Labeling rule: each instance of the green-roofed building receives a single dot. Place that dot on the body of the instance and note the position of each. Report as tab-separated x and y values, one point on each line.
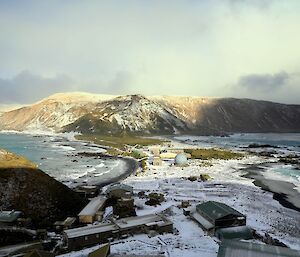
219	215
239	232
233	248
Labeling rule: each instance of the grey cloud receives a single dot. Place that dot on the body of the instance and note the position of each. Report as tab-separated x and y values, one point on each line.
280	87
121	81
27	87
117	83
93	40
264	82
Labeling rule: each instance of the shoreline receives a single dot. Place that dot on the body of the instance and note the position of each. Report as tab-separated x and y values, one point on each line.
124	166
130	162
132	166
282	191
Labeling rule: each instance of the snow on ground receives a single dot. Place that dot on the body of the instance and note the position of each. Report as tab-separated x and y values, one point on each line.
264	214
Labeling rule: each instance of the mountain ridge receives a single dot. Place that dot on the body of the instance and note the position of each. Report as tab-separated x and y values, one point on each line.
138	114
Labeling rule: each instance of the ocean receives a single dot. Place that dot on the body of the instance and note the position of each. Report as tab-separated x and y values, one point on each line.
290	141
58	157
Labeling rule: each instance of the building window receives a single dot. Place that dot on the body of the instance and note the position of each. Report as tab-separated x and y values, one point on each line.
97	236
86	238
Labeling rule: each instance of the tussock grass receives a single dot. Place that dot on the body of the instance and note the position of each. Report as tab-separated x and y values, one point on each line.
11	160
135	154
119	142
212	153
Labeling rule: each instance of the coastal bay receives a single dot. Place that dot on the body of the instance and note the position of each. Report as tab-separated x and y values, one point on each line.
59	155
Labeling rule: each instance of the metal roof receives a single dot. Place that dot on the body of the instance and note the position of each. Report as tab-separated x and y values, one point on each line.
239	232
119	186
216	210
116	225
9	216
150	219
134	255
202	221
90	230
103	251
93	206
232	248
69	221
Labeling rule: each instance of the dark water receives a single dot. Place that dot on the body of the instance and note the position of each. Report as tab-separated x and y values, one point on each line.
284	140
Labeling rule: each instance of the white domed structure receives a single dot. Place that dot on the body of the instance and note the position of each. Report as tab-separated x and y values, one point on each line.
181	159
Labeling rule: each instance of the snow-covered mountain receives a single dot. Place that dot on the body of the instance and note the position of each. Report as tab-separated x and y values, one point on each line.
234	115
51	113
132	113
9	107
89	113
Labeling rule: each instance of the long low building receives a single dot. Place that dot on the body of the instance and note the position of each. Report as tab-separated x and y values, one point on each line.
140	224
90	235
90	211
78	238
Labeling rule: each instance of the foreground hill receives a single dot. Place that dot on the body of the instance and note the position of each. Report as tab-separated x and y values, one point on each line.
137	114
10	160
36	194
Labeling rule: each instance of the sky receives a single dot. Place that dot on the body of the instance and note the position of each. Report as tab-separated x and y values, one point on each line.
214	48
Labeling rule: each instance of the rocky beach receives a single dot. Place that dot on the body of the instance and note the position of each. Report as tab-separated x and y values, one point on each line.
284	192
70	161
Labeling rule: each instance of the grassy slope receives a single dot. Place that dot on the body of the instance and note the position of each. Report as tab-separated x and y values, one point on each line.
119	141
208	154
118	144
10	160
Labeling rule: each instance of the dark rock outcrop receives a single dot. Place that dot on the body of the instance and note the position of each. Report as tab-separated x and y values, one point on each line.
37	195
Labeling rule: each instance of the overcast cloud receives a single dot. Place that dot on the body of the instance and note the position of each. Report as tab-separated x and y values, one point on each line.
264	82
202	48
280	87
27	87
